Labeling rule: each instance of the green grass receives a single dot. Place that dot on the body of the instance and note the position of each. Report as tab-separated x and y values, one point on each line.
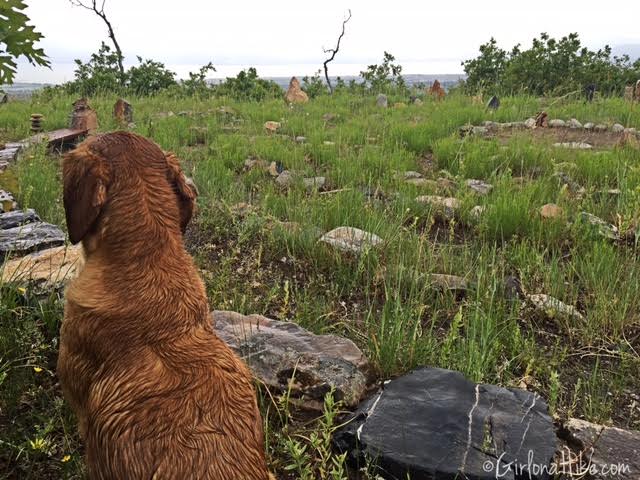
257	263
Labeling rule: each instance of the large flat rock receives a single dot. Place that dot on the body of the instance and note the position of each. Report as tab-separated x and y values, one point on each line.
29	238
603	452
435	424
277	351
48	269
17	218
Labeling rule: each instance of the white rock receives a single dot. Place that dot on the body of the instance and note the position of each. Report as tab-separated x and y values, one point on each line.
574	145
349	239
617	128
557	123
552	307
574	123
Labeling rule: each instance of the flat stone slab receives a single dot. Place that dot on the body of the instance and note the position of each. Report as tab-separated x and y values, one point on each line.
29	238
606	452
278	351
17	218
350	239
49	269
435	424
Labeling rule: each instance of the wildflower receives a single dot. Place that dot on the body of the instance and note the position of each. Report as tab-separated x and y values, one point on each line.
66	458
37	369
22	290
38	444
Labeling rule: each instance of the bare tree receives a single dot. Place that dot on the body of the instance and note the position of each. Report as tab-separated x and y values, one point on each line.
93	6
333	52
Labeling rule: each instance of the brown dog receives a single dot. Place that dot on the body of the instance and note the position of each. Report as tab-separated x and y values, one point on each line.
157	394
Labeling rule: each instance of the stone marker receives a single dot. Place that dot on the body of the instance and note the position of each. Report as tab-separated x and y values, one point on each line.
83	116
436	90
295	94
276	351
382	101
123	112
435	424
494	103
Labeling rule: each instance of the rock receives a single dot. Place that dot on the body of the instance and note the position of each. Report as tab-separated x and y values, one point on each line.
301	139
631	130
7	202
494	103
574	123
329	143
18	217
479	187
9	153
542	119
330	117
436	90
241	209
314	183
275	351
603	228
446	206
30	237
557	123
452	283
275	169
411	174
636	92
417	102
399	105
83	116
435	424
123	112
349	239
600	128
552	307
251	163
48	269
447	184
295	94
617	128
551	211
513	288
285	179
272	126
382	101
477	211
600	445
518	125
480	131
574	145
198	135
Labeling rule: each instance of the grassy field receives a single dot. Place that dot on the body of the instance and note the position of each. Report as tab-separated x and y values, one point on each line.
256	244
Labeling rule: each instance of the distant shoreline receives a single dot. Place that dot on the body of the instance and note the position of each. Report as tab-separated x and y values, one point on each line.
447	80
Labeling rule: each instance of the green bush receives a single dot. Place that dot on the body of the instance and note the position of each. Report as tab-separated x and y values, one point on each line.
550	66
248	86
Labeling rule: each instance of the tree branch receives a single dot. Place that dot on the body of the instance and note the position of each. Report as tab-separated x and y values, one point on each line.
100	13
333	52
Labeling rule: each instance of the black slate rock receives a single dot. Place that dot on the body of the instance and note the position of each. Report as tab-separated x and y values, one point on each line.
29	238
17	218
434	424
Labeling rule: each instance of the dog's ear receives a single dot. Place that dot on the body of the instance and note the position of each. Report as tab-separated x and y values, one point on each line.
85	177
184	188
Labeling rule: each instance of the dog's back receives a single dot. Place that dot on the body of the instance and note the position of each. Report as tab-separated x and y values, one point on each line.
156	392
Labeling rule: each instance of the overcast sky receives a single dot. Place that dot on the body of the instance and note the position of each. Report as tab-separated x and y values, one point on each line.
286	38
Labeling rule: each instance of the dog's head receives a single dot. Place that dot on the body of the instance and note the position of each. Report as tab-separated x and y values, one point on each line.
127	178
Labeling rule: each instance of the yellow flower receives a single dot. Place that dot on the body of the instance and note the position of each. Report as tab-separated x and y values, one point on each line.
22	290
38	444
37	369
66	458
